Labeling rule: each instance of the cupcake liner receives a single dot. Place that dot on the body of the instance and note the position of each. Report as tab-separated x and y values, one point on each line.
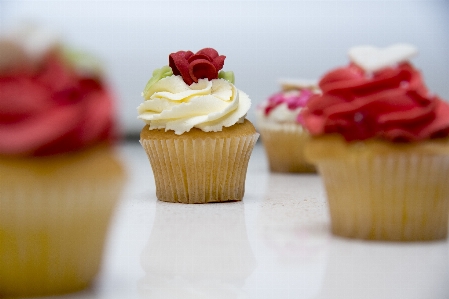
398	197
284	145
53	224
200	170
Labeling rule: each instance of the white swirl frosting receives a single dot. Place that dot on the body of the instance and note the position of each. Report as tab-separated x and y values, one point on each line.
171	104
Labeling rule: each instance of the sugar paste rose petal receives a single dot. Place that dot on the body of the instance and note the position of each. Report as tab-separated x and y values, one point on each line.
218	62
210	52
202	68
179	64
199	56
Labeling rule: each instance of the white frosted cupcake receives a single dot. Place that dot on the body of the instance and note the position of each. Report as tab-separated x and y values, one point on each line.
196	136
282	135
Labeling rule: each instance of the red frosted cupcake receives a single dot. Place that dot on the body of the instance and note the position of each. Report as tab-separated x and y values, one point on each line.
62	178
381	142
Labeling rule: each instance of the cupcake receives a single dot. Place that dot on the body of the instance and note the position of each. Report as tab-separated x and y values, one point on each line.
60	178
196	136
282	135
380	140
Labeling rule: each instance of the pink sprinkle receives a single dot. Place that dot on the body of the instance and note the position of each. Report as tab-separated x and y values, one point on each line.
300	119
293	102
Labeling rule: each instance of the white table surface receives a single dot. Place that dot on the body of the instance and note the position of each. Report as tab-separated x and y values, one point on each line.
274	244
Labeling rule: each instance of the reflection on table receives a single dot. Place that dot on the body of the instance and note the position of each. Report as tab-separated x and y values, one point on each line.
293	230
386	270
197	251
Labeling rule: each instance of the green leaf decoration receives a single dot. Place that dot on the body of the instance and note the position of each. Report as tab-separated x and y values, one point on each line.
158	74
228	76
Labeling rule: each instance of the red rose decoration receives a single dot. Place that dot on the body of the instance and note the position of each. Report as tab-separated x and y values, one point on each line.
392	104
203	64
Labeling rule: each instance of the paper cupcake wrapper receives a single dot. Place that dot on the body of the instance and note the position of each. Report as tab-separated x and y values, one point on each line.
399	197
284	146
52	231
200	170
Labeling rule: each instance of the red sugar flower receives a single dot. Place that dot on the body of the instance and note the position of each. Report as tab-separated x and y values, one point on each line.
203	64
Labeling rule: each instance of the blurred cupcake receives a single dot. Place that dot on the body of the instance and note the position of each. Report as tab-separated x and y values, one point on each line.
197	138
380	140
61	178
186	259
282	135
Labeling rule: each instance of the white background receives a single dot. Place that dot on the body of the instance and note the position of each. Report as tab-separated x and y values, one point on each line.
263	40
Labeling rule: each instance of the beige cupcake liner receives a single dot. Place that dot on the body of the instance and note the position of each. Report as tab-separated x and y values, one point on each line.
284	146
200	170
397	196
53	225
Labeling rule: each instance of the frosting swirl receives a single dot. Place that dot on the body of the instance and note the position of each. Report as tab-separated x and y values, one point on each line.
209	105
51	109
392	103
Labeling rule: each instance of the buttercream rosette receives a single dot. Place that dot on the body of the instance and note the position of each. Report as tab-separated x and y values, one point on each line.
196	136
62	179
380	140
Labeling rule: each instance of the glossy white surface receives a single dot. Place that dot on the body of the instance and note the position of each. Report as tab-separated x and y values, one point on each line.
274	244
